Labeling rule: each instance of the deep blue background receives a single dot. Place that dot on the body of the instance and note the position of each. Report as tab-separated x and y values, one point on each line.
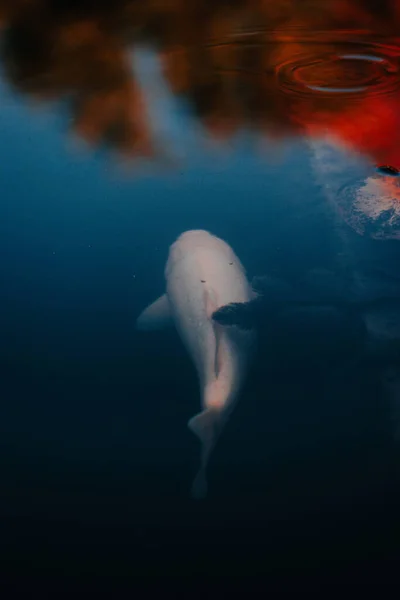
97	461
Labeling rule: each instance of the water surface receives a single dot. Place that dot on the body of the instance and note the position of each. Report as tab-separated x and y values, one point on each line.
123	125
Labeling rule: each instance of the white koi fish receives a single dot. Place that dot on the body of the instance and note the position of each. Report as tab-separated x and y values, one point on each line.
202	274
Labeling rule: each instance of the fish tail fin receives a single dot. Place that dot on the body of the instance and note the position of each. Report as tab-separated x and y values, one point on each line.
205	426
200	485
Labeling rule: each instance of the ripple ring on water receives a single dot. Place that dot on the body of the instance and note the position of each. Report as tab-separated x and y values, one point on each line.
346	73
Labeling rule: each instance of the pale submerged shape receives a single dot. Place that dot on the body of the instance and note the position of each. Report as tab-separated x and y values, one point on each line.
378	199
367	201
202	274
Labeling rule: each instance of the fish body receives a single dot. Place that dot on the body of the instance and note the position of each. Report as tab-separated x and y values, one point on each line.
202	274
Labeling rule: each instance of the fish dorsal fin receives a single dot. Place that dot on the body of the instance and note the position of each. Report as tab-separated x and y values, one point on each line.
211	307
156	316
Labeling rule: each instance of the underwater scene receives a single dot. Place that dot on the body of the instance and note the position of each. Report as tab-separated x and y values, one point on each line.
200	291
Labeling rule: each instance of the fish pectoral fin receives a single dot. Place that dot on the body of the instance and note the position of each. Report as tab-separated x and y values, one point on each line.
156	316
240	314
205	426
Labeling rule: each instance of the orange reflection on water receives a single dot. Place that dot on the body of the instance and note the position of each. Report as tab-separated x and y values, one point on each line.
265	66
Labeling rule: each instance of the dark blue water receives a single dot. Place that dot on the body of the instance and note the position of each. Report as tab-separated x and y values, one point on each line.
97	461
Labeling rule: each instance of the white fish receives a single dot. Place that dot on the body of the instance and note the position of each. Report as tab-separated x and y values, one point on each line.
202	274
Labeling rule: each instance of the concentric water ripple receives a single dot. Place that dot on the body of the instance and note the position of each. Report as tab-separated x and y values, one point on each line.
329	65
356	69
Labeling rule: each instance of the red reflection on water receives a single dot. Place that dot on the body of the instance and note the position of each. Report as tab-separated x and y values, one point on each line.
280	68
